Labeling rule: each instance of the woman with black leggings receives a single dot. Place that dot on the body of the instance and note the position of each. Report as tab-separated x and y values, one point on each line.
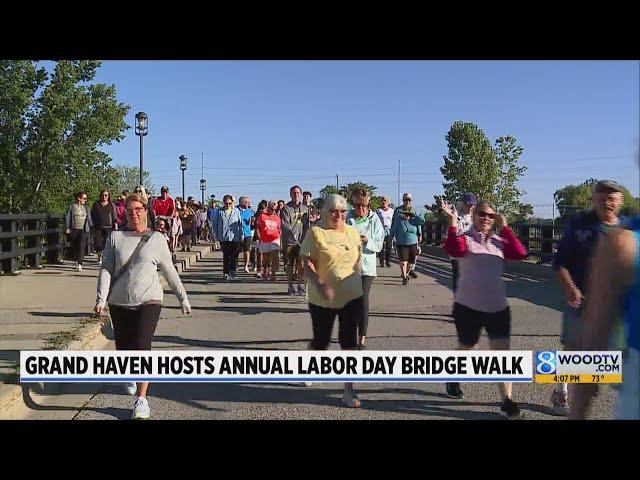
132	287
331	256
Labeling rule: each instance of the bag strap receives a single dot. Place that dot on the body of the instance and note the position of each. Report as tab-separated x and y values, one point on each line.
145	238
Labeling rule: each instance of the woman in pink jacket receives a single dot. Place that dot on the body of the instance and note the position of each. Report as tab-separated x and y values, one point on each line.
481	299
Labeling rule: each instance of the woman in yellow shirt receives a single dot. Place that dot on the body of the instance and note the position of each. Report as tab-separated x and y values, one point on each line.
331	256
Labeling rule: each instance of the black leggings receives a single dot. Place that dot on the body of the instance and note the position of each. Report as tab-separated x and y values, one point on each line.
78	240
363	322
322	323
385	253
230	252
100	236
134	329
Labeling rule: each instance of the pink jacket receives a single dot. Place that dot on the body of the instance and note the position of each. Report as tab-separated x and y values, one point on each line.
480	285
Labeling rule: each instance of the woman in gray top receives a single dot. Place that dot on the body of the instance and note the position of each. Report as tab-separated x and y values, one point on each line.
78	222
134	293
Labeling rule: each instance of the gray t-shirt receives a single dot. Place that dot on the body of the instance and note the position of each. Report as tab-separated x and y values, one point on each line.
78	216
140	283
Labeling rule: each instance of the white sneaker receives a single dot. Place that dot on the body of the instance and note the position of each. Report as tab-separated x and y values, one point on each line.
130	387
141	410
560	403
78	268
307	384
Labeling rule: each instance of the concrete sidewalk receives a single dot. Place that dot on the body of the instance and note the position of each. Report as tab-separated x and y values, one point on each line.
254	314
52	308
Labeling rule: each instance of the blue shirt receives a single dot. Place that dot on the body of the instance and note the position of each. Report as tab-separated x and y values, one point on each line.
406	232
211	214
632	302
577	243
246	215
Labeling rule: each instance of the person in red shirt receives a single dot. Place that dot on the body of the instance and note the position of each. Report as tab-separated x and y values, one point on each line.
269	228
163	205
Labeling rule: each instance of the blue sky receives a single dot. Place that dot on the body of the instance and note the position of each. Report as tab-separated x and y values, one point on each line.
266	125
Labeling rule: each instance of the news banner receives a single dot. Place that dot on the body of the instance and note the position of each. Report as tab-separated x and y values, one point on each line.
321	366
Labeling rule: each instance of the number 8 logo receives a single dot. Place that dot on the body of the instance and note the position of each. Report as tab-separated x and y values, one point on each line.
546	362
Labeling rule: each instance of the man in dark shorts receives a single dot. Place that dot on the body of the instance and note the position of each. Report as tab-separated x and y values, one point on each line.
246	213
294	226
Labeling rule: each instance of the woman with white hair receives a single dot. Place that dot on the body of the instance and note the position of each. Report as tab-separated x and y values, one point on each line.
331	256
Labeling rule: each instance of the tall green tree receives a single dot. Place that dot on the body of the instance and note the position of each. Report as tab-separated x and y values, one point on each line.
473	165
129	177
52	126
346	191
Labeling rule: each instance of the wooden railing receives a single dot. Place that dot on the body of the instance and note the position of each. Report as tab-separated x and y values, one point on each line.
538	239
27	240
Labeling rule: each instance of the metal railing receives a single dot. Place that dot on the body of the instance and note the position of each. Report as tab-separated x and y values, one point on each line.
539	239
28	239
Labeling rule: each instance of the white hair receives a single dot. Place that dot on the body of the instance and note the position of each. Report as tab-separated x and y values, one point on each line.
333	202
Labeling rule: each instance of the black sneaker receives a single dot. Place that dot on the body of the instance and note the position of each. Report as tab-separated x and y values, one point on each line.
388	264
454	390
510	409
413	274
405	280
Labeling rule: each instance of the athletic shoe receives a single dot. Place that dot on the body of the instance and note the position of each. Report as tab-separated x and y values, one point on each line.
226	276
141	410
259	275
307	384
454	390
510	409
291	290
130	387
350	399
78	268
301	290
405	280
413	274
560	403
246	269
388	264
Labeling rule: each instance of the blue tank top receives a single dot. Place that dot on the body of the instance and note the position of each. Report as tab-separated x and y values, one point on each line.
632	302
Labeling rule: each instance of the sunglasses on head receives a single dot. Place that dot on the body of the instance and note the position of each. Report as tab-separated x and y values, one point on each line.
482	214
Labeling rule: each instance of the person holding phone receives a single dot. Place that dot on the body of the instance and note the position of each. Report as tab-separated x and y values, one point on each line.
481	298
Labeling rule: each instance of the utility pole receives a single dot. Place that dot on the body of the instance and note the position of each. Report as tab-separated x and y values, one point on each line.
398	183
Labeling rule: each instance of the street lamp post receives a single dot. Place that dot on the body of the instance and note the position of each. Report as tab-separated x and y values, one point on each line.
183	167
203	187
142	128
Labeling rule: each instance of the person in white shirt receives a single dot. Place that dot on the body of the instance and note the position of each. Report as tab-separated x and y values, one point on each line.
385	213
465	222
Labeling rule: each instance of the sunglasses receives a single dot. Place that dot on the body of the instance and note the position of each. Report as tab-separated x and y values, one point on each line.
483	214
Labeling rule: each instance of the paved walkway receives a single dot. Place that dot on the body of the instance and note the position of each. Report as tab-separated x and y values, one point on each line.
253	314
